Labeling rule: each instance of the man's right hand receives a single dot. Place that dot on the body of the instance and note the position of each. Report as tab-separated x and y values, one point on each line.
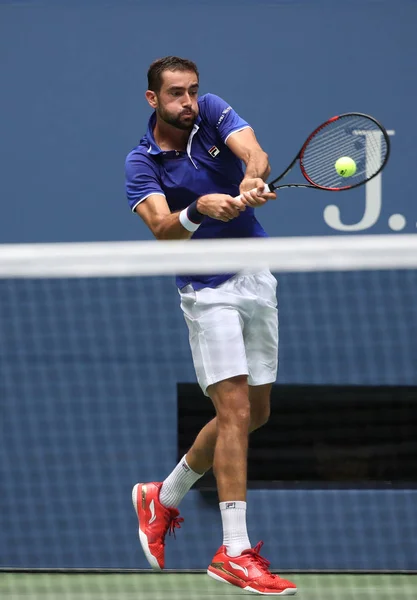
220	206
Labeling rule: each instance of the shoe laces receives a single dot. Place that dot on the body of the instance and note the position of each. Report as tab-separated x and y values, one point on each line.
173	521
255	554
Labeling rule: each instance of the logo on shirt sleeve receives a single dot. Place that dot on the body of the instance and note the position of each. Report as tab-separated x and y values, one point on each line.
214	151
222	116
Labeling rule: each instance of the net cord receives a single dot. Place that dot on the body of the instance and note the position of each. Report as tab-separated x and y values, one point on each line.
146	258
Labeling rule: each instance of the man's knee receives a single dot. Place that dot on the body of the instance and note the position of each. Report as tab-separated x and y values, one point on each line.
231	401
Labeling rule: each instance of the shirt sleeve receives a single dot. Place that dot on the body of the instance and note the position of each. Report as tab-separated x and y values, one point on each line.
220	114
141	179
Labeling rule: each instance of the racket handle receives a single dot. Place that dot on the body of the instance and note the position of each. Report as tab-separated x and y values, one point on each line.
267	190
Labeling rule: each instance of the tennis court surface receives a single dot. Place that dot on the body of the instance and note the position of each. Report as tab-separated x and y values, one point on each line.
47	586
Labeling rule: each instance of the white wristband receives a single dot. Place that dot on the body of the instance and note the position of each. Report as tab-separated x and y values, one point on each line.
186	223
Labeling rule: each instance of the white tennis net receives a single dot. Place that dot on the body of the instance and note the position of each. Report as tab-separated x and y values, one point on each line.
93	347
300	254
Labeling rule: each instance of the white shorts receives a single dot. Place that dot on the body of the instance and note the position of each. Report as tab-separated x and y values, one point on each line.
233	329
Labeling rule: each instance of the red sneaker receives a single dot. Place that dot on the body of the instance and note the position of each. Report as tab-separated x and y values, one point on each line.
250	572
155	520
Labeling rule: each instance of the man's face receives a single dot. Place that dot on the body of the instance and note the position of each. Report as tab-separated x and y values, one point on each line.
176	102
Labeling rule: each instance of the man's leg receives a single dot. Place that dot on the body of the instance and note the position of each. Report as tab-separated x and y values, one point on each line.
236	562
200	457
201	454
231	401
223	441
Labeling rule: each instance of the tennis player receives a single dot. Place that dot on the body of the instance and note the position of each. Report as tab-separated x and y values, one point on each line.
182	180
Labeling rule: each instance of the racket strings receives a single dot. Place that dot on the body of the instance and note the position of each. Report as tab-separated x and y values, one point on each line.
356	137
333	146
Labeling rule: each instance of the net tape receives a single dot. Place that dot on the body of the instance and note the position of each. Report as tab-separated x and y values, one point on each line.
288	254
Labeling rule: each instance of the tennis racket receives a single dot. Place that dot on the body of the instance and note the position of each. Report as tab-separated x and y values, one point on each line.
354	136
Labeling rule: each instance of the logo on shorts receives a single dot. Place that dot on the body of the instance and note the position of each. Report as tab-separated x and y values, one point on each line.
214	151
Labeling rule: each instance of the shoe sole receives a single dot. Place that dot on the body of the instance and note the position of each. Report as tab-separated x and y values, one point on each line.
142	537
287	592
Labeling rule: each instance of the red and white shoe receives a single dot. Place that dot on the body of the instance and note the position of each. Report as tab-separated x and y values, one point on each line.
155	520
250	572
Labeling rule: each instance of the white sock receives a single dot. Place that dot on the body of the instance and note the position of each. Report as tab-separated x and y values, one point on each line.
235	534
177	484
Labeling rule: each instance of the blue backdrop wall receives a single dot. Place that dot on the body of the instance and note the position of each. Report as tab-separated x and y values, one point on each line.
72	91
80	391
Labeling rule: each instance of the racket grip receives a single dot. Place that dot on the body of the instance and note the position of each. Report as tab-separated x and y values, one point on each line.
266	190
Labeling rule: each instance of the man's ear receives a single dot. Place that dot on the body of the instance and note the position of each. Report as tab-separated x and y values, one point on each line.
152	98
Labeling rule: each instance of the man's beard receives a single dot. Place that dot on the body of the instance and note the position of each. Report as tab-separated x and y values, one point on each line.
178	121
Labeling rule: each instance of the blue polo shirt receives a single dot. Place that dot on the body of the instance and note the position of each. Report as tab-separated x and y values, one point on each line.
208	166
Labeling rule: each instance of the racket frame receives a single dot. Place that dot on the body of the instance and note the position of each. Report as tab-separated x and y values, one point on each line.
311	184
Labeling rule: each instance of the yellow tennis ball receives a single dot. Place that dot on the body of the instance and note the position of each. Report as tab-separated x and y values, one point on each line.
345	166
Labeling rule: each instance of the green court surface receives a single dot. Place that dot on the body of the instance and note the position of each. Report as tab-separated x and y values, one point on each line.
58	586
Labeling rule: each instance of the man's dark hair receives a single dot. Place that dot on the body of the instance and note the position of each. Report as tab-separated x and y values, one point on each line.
168	63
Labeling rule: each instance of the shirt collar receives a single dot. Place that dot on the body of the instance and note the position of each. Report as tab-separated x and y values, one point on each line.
153	146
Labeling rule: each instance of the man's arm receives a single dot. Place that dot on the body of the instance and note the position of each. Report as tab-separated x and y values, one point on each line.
246	147
157	216
155	212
